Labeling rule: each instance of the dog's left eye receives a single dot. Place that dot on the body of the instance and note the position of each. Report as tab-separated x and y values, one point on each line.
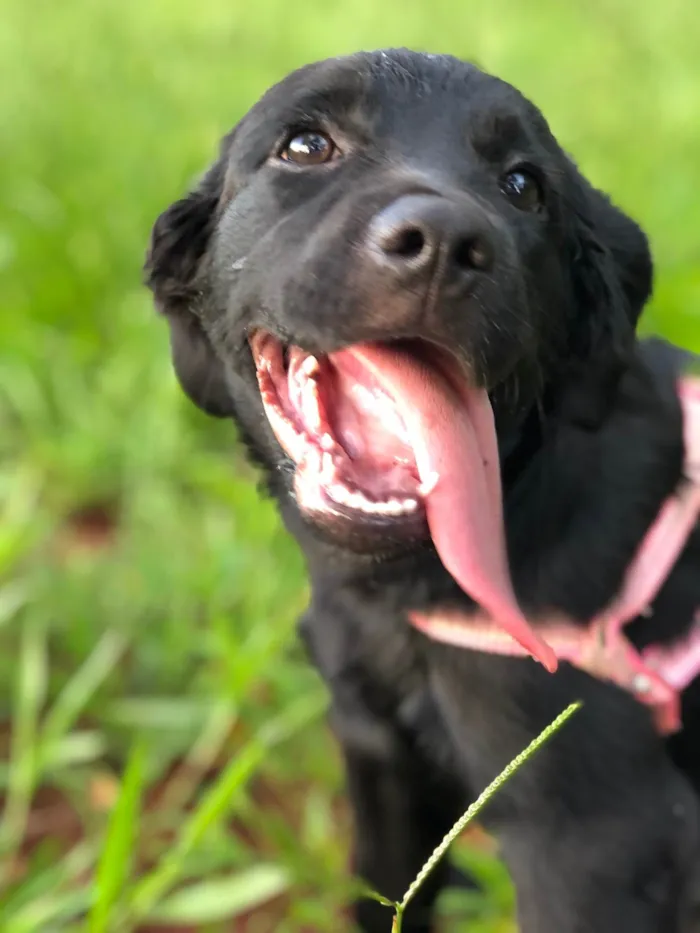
308	148
522	189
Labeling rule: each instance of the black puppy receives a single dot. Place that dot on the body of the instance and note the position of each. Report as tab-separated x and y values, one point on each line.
395	282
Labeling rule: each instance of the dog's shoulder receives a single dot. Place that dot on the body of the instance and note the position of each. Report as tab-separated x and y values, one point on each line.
667	361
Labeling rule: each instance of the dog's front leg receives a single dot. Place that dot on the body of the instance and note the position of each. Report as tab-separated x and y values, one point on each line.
599	830
628	869
401	812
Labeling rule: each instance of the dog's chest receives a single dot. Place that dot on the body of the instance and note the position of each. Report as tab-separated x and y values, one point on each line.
378	676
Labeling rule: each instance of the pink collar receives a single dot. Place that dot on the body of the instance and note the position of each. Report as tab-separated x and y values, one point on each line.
658	674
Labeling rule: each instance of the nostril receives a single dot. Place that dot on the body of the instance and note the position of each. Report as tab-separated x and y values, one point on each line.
406	242
471	253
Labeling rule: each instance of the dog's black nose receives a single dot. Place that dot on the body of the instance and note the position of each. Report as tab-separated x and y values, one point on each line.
418	230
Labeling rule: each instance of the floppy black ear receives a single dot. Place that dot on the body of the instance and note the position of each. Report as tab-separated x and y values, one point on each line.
628	250
199	371
612	280
173	264
612	274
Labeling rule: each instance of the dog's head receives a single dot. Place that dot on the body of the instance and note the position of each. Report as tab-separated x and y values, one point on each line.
390	265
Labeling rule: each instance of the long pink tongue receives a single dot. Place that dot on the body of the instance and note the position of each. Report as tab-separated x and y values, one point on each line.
453	437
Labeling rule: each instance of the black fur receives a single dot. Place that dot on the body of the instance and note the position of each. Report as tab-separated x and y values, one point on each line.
600	831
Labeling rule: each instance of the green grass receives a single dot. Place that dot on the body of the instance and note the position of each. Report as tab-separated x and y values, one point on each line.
153	698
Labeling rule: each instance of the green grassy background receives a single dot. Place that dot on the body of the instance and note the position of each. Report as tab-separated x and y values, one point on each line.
163	759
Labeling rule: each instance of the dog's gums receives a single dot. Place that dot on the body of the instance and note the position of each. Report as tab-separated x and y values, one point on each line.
388	431
348	440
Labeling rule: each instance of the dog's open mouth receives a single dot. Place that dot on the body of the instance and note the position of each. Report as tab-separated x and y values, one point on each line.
395	434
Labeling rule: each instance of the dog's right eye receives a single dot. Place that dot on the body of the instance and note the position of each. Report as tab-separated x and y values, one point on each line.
522	189
308	148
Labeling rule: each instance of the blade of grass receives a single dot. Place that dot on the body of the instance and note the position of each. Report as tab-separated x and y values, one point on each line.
32	899
476	808
115	862
59	901
30	690
200	758
216	802
51	913
219	899
13	597
79	689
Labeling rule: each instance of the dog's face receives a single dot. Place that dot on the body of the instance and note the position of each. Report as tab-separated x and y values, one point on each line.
390	265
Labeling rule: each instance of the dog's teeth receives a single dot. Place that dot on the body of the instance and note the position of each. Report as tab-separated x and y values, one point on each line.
312	415
310	366
327	442
355	499
338	492
360	501
327	468
428	485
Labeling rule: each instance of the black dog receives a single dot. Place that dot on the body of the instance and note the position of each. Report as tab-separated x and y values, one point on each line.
391	256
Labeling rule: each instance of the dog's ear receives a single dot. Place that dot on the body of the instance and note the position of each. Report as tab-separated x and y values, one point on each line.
628	249
199	370
612	271
612	280
173	264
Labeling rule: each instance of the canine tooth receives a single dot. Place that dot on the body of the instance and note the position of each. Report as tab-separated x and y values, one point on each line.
327	442
429	483
338	492
327	468
310	366
310	406
368	504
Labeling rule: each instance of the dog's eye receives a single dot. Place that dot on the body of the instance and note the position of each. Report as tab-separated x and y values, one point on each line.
522	189
309	148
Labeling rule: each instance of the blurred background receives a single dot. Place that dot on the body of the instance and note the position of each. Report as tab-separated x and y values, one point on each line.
164	764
